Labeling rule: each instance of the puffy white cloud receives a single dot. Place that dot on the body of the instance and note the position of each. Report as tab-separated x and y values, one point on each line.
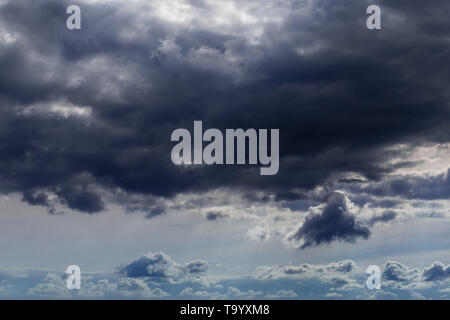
159	266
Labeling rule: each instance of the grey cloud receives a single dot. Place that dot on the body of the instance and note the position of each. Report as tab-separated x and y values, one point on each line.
335	270
437	271
81	200
297	269
35	198
215	215
397	271
342	266
160	266
384	216
424	187
196	266
336	221
384	203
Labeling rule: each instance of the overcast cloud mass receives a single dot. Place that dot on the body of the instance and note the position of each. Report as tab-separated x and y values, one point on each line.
364	116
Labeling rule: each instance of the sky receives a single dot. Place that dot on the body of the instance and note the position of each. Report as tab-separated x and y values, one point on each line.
86	176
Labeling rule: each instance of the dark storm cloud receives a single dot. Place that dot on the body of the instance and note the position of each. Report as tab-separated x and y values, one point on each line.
339	93
430	187
335	222
81	200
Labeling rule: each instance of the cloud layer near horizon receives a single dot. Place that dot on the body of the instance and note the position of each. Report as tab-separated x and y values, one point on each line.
337	280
